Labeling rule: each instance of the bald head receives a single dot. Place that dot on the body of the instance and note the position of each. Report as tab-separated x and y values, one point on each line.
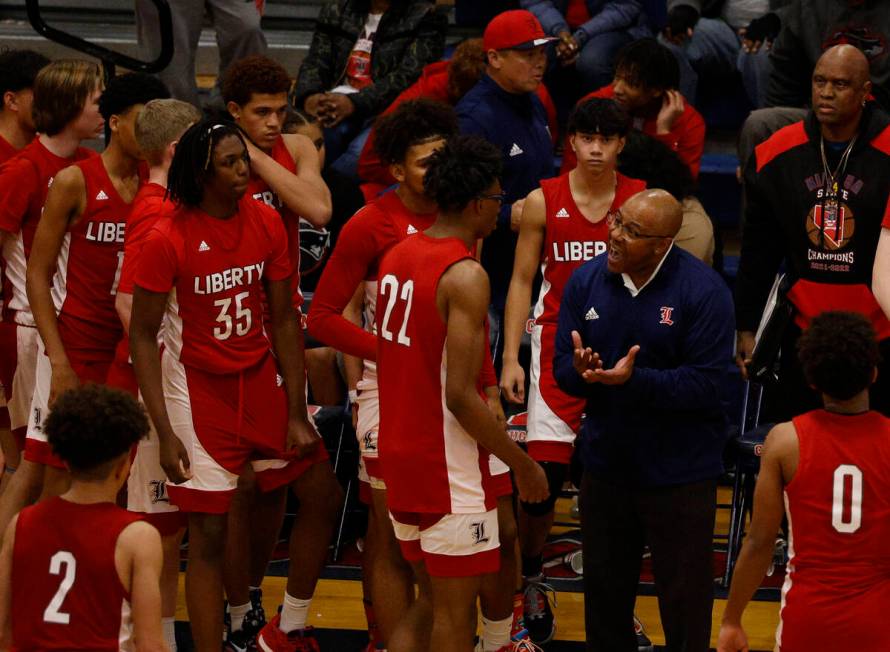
656	211
848	59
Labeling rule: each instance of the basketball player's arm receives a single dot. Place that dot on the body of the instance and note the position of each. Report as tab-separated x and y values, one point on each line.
148	310
463	297
880	283
519	296
352	365
757	551
139	550
305	193
64	203
287	341
6	585
348	266
123	304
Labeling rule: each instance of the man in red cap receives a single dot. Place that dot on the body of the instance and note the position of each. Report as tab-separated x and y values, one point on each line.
503	108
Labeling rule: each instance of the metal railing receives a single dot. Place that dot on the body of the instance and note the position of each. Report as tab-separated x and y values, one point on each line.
109	58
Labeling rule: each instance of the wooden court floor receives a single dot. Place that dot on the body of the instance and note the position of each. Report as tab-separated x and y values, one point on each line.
338	604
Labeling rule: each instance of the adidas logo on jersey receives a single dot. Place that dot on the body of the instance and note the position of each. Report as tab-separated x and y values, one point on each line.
203	246
516	150
411	230
562	212
101	196
591	314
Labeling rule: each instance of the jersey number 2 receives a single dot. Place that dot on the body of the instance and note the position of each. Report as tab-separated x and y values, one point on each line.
389	287
839	499
62	558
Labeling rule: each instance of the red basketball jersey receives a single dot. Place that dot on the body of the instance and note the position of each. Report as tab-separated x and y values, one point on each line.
24	182
837	584
215	269
429	462
570	239
261	192
67	593
89	267
148	205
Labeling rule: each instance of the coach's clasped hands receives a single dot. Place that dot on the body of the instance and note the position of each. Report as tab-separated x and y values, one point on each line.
302	437
590	367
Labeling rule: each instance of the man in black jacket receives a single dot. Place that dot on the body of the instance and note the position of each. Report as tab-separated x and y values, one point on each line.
816	193
363	54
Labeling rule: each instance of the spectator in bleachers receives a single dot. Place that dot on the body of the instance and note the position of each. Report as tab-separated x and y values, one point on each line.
590	34
238	34
18	69
363	54
816	193
645	84
712	39
646	158
645	336
504	108
442	81
809	27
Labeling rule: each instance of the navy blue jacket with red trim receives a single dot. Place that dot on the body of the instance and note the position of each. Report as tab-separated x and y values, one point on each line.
666	424
784	184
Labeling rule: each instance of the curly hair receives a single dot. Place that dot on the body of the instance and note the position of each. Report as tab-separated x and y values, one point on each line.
253	74
92	425
647	63
462	170
412	122
18	70
465	68
646	158
130	89
599	116
192	162
839	353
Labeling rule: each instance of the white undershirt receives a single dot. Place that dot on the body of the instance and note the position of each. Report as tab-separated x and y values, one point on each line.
629	284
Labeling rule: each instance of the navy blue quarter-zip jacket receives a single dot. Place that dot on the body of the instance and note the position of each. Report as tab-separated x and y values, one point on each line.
517	124
665	425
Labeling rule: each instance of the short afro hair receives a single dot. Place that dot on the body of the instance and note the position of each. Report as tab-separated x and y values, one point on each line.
253	74
839	353
599	116
91	425
650	160
127	90
461	171
647	63
18	70
411	123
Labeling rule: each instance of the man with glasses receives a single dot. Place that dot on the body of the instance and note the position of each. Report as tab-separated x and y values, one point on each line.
644	335
563	225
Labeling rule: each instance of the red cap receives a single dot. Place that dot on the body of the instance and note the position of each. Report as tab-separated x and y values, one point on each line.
516	29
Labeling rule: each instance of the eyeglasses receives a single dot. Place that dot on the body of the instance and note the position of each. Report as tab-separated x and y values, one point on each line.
499	197
616	223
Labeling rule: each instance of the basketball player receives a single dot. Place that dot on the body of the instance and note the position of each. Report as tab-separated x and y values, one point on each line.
563	225
65	111
74	266
221	400
286	175
18	68
76	571
828	469
406	139
434	445
159	126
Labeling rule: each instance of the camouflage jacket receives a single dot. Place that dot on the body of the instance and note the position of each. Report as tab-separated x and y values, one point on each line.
411	35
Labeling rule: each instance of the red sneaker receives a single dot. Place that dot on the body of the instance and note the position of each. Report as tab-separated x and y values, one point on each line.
272	639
